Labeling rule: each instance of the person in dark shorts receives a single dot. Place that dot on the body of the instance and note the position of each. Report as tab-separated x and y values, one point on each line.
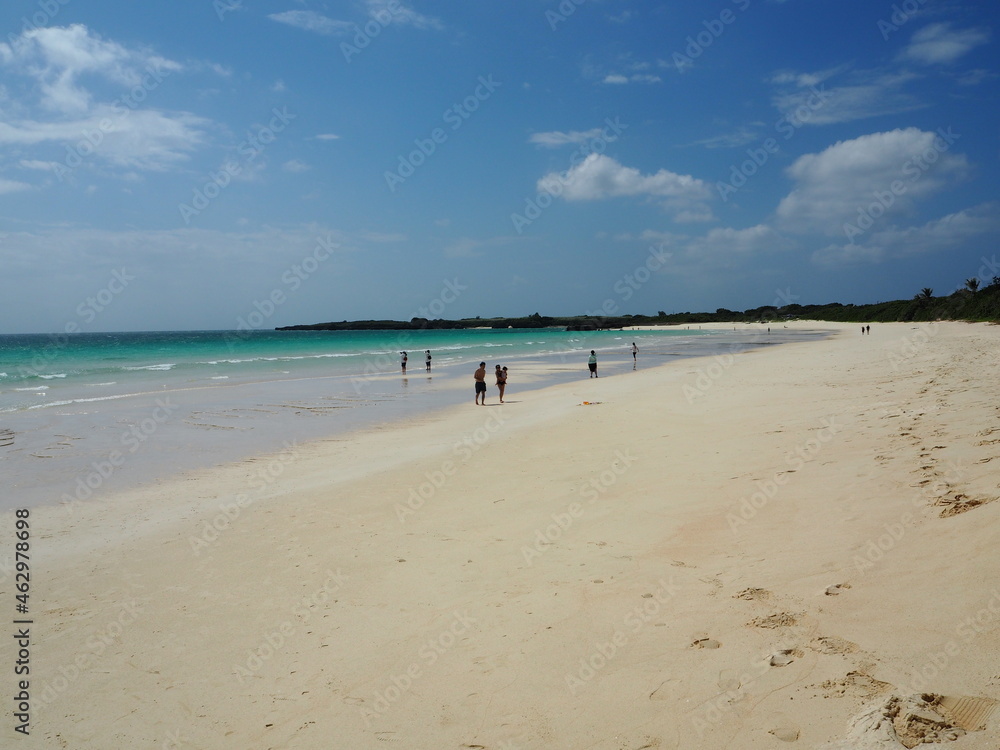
480	377
592	364
427	359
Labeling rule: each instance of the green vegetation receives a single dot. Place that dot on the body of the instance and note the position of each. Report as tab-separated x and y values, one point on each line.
970	303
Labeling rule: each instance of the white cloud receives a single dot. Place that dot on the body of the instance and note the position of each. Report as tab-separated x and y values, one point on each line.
935	236
939	43
12	186
740	137
556	138
56	57
295	166
804	99
598	177
399	13
833	185
55	108
617	79
310	20
326	137
726	242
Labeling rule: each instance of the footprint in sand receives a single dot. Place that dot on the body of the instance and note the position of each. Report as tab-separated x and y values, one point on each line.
754	594
785	734
832	645
779	620
706	643
836	589
783	658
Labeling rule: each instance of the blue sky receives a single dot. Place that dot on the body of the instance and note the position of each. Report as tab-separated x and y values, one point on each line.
193	165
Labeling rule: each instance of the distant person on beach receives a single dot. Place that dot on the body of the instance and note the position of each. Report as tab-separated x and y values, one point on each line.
480	377
868	330
635	352
428	359
402	361
592	364
501	380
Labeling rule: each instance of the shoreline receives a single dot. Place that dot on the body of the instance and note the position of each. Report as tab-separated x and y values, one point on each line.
85	445
675	565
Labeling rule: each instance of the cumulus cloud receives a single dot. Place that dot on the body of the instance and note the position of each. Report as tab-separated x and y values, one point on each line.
599	176
939	43
902	166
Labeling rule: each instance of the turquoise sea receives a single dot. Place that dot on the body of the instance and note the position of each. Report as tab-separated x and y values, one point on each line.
163	402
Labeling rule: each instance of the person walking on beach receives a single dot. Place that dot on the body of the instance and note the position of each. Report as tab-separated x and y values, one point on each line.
592	364
635	354
501	381
480	377
402	361
428	359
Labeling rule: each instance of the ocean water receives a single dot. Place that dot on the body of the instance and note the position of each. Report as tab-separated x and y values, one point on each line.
88	414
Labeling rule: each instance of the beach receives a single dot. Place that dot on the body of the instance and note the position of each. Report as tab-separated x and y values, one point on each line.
781	546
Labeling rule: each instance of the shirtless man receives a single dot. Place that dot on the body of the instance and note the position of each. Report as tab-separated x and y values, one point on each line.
480	377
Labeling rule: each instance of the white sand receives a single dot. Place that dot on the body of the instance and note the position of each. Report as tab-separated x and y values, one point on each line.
750	551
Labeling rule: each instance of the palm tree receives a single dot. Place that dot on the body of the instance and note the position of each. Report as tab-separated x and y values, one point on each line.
972	284
925	294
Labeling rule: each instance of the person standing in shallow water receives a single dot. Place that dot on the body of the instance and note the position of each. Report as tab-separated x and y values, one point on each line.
501	380
402	361
428	359
592	364
635	355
